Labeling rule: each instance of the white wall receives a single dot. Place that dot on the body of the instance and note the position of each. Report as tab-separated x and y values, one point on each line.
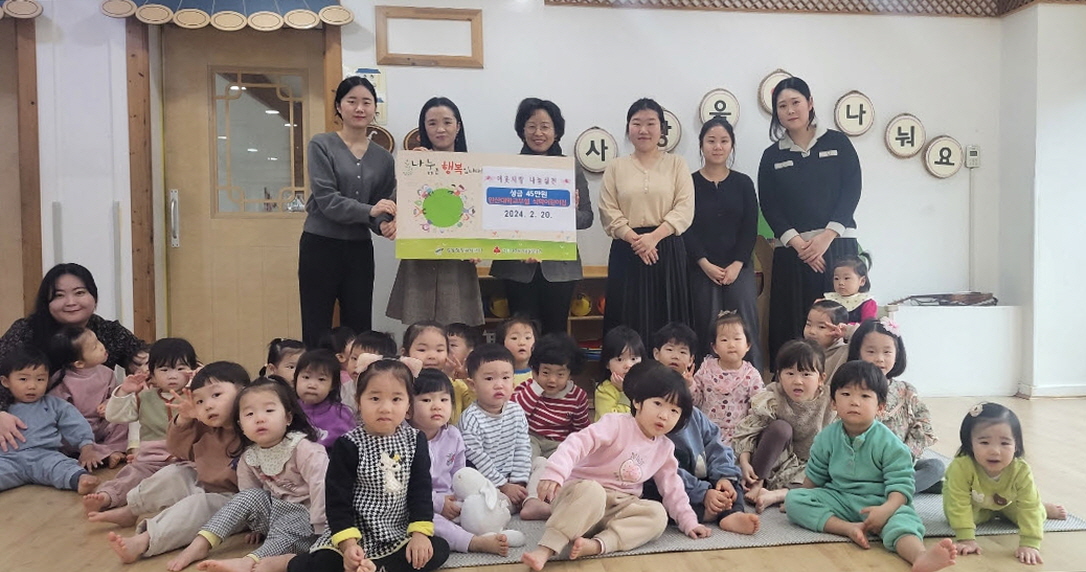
1060	201
82	112
595	62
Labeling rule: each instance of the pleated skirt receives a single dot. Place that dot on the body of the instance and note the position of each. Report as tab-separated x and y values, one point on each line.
646	297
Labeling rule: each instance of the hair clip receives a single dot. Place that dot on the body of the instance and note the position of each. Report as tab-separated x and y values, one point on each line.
890	326
977	409
725	313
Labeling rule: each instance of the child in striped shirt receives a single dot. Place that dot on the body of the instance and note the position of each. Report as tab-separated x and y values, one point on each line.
554	405
495	429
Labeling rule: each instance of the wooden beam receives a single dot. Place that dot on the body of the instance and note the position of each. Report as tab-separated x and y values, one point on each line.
138	65
333	74
29	158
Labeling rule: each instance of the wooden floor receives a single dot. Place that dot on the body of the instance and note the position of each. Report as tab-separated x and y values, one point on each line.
42	529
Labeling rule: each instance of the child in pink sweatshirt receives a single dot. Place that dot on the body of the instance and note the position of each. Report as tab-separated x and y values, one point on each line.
593	480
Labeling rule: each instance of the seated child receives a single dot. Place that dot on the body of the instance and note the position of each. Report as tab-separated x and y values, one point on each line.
495	429
826	325
281	472
554	405
186	494
378	487
851	289
673	345
725	382
283	356
880	342
374	345
860	476
430	410
338	341
85	383
594	479
462	340
989	478
142	398
622	349
427	342
518	335
24	375
712	480
774	439
317	385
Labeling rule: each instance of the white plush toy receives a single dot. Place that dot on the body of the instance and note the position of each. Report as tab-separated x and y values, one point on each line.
483	510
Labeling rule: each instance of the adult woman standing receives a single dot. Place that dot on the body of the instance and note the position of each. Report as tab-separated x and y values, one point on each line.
445	291
543	290
721	238
67	296
809	183
646	202
350	184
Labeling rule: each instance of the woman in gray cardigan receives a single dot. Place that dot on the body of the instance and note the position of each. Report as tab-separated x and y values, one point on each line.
351	182
543	290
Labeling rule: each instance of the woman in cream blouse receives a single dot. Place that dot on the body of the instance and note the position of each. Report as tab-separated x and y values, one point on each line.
646	203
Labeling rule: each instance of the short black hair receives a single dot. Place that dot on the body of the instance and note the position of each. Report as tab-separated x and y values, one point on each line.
522	319
861	374
726	318
858	266
616	341
321	361
470	334
280	348
557	349
347	85
804	355
677	333
415	330
171	352
222	372
431	380
643	104
872	325
336	339
650	379
527	108
22	357
373	342
487	353
984	414
836	313
394	367
291	405
776	129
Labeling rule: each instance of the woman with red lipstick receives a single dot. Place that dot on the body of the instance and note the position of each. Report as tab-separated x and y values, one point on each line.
809	185
351	184
543	290
444	291
646	203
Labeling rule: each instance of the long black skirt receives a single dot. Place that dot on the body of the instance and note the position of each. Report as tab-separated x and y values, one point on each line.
795	287
646	297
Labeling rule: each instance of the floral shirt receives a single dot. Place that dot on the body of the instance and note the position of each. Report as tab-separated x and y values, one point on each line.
724	396
908	417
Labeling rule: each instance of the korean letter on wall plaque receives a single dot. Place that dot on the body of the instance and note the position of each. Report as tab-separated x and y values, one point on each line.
854	114
765	89
595	148
943	157
905	136
670	132
719	103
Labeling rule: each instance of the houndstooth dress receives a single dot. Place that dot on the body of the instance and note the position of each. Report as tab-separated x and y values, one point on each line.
379	497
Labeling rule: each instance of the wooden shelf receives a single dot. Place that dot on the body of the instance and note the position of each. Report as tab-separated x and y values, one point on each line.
589	318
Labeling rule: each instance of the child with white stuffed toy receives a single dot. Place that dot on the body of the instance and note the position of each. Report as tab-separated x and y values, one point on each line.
430	412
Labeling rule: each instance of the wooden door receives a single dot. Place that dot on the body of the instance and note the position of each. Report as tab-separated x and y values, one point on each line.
11	238
239	109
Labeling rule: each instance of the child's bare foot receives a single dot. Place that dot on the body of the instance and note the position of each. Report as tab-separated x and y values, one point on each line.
741	523
95	502
855	532
754	492
273	563
115	459
535	509
196	550
1055	511
243	564
584	547
87	484
491	543
537	559
768	498
129	549
937	557
122	517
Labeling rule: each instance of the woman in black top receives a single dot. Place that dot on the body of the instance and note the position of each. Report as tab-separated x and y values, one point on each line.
809	184
721	239
543	290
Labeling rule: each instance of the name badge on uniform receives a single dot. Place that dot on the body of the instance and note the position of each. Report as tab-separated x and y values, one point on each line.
782	165
830	153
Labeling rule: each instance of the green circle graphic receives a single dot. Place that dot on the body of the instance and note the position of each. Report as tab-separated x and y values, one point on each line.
442	208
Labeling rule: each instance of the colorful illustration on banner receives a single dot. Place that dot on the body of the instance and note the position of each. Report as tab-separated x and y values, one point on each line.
442	207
